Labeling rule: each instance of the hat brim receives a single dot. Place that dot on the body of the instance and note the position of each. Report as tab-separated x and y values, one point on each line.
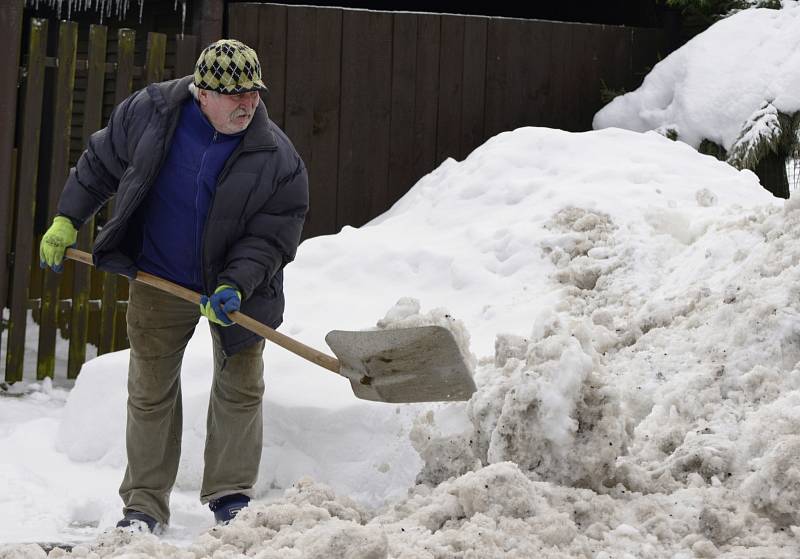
247	87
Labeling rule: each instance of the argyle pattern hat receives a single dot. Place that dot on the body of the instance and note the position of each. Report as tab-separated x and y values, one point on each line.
228	67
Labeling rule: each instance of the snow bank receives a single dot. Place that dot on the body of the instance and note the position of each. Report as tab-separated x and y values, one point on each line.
631	308
713	84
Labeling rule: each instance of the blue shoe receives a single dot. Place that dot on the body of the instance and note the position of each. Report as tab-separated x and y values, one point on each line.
226	508
139	522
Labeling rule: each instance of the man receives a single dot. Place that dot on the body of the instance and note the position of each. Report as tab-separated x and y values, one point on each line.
210	194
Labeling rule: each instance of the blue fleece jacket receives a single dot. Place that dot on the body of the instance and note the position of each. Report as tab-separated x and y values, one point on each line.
173	214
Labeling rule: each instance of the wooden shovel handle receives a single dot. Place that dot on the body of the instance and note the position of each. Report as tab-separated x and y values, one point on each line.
300	349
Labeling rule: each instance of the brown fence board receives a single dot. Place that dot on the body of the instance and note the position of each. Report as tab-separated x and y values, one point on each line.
497	76
186	54
11	31
590	40
535	45
404	72
126	44
451	79
59	168
299	107
561	68
115	288
517	79
26	200
323	168
365	116
473	91
272	54
92	121
426	94
156	55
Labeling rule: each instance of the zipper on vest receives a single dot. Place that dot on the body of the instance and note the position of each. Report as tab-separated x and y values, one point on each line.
198	241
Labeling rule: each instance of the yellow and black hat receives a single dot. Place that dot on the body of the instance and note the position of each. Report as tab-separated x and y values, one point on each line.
228	67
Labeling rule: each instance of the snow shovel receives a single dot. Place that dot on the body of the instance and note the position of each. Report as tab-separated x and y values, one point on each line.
420	364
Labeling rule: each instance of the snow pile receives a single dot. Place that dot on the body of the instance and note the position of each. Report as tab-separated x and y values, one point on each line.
717	82
631	309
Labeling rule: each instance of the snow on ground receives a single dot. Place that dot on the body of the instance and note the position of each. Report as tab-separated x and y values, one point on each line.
632	310
713	84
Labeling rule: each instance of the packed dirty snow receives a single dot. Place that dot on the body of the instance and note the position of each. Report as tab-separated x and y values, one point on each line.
631	310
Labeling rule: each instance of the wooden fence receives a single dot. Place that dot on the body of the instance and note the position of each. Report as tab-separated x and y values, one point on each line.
87	306
372	100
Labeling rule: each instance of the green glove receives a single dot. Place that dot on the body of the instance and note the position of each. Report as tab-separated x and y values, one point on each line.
55	242
225	299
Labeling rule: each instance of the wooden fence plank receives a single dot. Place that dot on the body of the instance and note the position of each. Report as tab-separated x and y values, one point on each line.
299	113
59	169
11	31
404	73
590	38
316	125
124	83
79	324
474	85
451	78
365	116
155	57
561	67
271	39
515	78
185	55
123	88
533	51
26	200
426	95
324	168
496	76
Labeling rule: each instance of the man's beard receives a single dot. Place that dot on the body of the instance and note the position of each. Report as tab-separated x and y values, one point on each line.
239	113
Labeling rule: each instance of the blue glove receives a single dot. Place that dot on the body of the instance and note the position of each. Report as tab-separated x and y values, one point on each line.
224	300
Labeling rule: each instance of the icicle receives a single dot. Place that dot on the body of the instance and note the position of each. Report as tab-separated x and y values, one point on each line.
183	17
106	8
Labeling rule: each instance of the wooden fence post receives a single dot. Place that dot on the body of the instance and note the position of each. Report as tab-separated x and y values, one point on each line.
11	30
185	55
59	170
82	277
156	55
26	200
124	83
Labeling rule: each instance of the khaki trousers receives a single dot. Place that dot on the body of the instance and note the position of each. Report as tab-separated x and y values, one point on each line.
159	327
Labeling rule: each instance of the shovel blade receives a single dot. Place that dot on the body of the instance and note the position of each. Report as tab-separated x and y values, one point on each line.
420	364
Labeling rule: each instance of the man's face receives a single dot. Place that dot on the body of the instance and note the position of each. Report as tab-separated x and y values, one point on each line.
229	114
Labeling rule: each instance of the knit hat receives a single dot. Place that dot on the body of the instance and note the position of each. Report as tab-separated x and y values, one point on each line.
228	67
